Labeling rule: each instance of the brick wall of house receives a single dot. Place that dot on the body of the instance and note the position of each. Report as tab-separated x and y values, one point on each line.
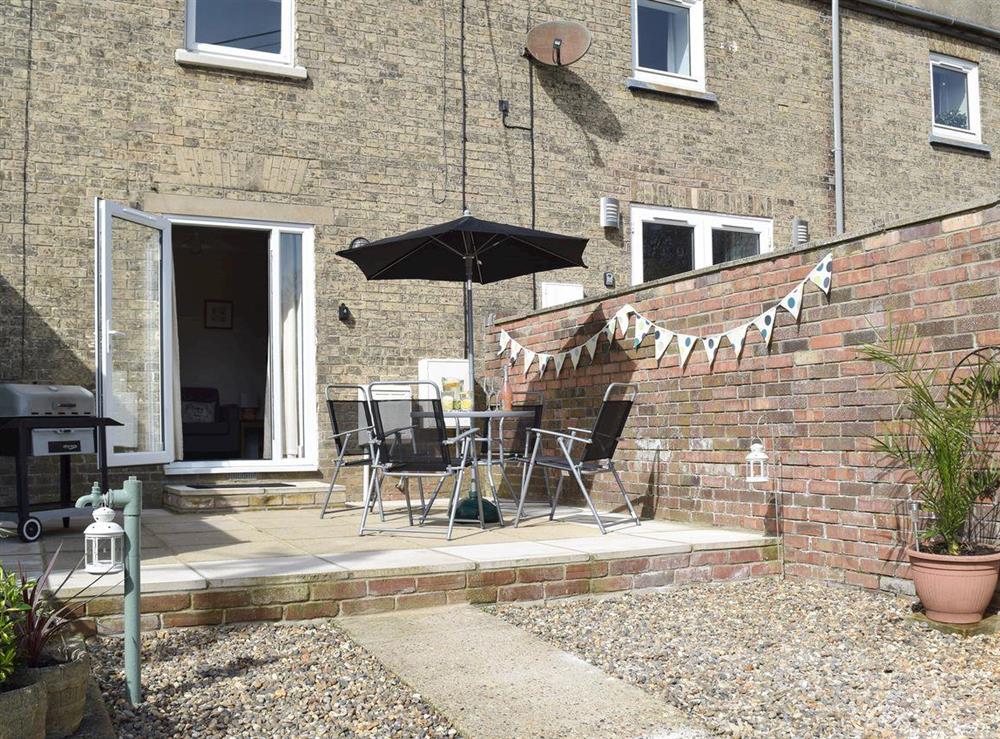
843	516
369	145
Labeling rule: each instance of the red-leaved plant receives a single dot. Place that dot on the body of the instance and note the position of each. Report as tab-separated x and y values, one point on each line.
43	619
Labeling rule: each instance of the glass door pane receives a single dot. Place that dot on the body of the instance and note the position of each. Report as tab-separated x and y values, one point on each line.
286	415
134	371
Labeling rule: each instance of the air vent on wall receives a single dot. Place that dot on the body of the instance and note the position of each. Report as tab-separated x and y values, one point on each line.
800	232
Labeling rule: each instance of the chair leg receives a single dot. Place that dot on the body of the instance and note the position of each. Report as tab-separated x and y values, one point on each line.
479	493
453	508
493	489
329	491
420	486
406	494
373	489
586	496
430	502
529	467
554	499
621	487
548	485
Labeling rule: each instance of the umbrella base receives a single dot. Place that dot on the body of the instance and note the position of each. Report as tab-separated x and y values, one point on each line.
469	509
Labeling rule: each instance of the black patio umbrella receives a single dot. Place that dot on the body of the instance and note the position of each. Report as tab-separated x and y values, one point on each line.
467	250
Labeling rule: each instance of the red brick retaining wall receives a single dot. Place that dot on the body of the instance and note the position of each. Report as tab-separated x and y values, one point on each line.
843	515
323	597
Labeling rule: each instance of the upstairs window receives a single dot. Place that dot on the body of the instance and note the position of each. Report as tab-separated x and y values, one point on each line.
248	30
668	44
669	241
955	99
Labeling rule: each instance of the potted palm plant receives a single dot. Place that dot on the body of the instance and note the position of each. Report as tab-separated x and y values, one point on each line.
944	440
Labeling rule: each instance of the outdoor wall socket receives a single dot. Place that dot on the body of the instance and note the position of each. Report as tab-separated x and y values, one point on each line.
504	107
609	279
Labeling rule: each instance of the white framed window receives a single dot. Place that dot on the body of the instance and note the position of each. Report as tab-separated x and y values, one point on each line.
557	293
250	35
955	99
669	241
668	42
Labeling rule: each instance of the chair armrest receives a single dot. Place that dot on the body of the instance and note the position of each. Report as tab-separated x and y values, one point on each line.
462	436
580	431
560	435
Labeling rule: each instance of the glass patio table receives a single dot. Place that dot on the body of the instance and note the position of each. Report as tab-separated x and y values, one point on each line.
469	508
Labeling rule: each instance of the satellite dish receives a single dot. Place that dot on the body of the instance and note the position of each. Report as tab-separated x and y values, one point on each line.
558	43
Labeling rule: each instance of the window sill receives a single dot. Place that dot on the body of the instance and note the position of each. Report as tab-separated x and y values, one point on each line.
215	61
941	141
702	97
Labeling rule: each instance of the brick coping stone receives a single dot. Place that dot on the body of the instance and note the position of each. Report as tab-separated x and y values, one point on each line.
326	596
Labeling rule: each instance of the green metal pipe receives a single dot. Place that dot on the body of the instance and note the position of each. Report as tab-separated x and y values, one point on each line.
130	499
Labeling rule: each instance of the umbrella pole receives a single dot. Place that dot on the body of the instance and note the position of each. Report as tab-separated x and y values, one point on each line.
469	338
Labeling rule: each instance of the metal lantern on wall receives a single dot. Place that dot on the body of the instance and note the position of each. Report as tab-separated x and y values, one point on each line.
104	544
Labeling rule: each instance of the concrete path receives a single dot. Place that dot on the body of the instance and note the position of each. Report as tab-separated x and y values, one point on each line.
495	680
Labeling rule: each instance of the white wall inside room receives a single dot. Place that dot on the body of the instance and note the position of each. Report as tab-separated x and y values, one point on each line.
225	265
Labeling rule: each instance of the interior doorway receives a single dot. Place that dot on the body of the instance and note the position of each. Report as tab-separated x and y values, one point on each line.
221	286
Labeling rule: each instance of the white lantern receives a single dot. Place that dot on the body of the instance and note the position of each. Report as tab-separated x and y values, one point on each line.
104	544
757	463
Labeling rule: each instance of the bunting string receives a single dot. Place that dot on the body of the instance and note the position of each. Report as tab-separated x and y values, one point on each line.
821	276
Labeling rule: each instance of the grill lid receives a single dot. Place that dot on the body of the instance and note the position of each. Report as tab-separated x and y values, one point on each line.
20	399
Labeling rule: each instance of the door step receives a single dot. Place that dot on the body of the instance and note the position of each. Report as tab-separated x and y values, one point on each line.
248	496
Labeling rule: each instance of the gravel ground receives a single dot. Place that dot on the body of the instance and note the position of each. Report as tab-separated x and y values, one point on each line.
794	659
261	680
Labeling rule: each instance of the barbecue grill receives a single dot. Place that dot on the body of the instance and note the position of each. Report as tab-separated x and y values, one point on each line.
49	421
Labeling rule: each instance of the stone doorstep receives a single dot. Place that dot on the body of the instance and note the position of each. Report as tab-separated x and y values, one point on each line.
333	593
301	494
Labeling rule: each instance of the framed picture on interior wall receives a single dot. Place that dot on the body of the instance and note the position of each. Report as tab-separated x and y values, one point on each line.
218	314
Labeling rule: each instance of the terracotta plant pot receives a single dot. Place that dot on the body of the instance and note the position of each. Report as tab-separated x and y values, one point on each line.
65	684
954	589
23	711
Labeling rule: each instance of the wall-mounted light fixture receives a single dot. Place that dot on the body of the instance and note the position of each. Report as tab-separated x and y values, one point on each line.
610	212
343	312
800	231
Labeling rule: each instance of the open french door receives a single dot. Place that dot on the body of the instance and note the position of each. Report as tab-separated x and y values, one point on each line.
134	333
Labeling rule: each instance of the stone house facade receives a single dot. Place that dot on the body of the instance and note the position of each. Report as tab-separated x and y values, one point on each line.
358	132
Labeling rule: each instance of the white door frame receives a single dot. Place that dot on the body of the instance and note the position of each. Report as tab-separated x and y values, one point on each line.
309	462
104	213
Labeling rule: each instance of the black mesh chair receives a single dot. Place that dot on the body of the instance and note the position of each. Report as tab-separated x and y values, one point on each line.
515	447
411	441
599	445
351	423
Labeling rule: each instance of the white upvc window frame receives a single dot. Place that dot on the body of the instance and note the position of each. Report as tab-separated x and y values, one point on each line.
696	50
308	421
974	134
227	57
703	224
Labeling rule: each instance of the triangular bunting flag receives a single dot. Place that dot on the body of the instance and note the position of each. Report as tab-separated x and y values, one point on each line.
574	355
504	341
822	274
712	346
642	327
609	329
663	339
622	315
543	362
736	337
515	349
557	362
765	324
685	344
529	358
591	345
793	301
